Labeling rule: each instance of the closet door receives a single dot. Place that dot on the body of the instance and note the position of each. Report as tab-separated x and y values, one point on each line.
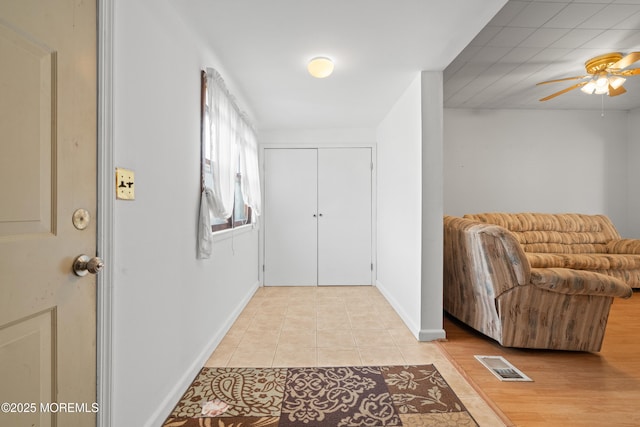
290	215
344	216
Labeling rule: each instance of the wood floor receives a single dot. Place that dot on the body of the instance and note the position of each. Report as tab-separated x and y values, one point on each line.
569	388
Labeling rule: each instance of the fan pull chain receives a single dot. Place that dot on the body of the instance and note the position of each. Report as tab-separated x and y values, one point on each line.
602	110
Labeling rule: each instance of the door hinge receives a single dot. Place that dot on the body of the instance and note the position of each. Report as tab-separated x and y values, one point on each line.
371	266
263	268
371	165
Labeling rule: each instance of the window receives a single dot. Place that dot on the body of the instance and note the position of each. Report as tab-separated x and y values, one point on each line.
241	214
230	179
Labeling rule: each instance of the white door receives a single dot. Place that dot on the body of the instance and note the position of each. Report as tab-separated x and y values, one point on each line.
344	216
290	215
48	171
317	217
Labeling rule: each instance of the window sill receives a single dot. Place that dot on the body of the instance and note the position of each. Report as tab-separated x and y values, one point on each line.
230	232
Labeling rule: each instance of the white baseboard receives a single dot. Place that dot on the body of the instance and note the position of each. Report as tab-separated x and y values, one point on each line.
413	327
431	334
169	402
420	334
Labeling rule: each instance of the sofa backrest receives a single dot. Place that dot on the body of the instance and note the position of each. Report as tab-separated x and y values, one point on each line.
555	233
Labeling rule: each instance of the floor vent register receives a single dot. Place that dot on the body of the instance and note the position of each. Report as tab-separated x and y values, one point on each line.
502	369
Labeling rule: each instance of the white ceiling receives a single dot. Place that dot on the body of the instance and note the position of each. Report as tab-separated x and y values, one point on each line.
492	56
530	41
378	46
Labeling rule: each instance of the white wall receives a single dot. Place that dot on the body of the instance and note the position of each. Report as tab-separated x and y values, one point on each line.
409	200
170	309
399	207
534	160
318	137
431	323
633	168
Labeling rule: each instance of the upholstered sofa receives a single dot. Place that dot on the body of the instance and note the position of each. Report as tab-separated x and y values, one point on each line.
535	280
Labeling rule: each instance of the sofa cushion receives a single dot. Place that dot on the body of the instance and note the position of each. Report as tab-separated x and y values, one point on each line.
555	233
529	221
584	261
563	248
624	246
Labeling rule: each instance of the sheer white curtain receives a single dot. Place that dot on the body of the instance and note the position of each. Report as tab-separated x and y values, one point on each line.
227	138
223	130
249	169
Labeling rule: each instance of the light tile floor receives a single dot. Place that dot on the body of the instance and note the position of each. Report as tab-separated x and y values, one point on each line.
319	326
334	326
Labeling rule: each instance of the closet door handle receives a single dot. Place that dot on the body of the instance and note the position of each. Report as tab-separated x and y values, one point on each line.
320	214
314	215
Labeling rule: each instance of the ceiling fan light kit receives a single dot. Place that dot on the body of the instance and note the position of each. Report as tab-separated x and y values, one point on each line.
603	84
606	74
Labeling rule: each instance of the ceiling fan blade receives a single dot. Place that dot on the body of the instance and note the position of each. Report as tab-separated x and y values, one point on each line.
570	88
562	80
631	72
616	92
626	61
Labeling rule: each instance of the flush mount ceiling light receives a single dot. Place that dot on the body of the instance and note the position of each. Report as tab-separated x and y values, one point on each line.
320	67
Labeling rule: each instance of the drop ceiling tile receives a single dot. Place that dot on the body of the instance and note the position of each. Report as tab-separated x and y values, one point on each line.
544	37
468	53
477	85
519	54
560	70
602	1
462	78
631	42
584	54
509	11
485	35
631	23
510	37
551	55
525	70
610	16
610	39
536	14
456	100
574	14
490	54
452	69
576	38
521	80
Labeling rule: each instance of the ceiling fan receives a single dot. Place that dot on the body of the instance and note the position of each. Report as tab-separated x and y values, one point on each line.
605	73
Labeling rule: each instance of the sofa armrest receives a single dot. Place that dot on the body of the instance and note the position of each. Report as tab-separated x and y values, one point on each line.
624	246
492	251
579	282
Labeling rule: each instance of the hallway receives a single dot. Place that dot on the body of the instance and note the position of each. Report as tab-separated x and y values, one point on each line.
334	326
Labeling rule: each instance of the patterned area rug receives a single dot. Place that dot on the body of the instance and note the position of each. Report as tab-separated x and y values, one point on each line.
369	396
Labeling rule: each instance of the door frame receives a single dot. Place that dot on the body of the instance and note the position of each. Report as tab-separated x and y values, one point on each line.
374	199
105	214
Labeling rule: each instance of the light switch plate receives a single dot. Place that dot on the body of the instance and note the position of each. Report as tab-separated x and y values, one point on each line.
125	184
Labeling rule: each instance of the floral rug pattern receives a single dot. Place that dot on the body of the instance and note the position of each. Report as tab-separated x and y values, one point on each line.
371	396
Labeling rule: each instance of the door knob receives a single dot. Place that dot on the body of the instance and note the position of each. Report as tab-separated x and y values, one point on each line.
83	265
